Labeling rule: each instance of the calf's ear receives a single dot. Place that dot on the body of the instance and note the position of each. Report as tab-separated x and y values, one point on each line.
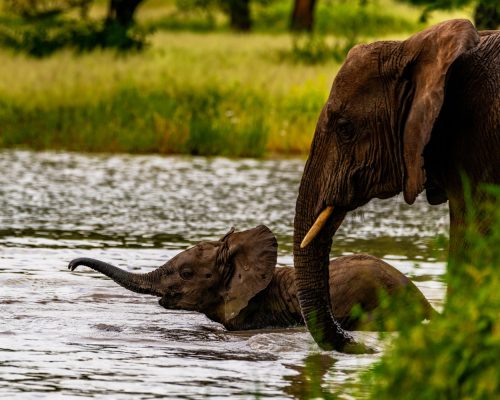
430	54
252	257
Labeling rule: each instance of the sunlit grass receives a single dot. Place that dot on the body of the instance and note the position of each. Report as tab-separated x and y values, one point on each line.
230	92
210	93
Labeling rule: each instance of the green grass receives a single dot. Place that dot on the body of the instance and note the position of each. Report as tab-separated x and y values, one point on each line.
198	93
215	93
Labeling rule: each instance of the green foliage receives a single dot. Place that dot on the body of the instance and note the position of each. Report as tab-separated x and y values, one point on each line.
339	26
42	37
440	4
192	15
342	18
187	93
41	27
209	9
354	19
37	9
448	4
314	49
486	15
456	355
188	121
338	17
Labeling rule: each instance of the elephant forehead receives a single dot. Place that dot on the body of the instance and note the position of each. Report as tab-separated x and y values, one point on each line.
195	256
365	61
357	82
206	247
360	58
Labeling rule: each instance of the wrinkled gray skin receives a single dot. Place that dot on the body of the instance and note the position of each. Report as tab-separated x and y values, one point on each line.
402	116
234	281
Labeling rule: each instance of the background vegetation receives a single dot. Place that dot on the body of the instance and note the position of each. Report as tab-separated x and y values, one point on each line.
193	87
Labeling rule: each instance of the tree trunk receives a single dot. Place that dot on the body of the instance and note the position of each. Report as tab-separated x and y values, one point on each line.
239	14
122	12
487	15
303	15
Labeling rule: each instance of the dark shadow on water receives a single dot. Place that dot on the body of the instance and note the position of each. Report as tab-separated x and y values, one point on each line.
307	383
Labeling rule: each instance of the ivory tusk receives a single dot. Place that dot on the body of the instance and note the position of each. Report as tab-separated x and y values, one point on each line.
317	226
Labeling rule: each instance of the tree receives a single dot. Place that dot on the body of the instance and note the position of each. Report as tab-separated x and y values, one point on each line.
239	15
44	26
302	18
122	12
303	15
486	14
238	11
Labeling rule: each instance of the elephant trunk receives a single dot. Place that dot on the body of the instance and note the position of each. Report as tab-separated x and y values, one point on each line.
139	283
312	260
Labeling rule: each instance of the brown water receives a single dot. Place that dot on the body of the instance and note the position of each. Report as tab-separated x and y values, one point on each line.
72	335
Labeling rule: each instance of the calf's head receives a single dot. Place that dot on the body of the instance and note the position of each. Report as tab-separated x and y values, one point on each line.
217	278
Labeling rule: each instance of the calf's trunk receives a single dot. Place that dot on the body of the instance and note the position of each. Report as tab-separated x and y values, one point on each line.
139	283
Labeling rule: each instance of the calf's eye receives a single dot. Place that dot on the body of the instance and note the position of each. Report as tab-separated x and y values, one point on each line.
186	273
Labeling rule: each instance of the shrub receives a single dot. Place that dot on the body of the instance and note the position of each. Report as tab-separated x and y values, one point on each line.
456	355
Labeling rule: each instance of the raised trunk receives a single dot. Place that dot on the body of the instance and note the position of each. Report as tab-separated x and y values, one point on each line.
139	283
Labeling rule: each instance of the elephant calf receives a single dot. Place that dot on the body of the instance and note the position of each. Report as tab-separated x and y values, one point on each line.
234	281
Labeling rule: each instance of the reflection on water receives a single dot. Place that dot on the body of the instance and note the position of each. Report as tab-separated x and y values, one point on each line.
68	335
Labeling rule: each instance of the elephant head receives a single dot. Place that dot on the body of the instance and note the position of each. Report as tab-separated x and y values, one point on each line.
369	143
216	278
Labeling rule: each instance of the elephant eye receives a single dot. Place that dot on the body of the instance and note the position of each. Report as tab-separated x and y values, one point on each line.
345	129
186	273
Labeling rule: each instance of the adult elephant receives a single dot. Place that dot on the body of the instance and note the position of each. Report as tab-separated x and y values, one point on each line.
404	116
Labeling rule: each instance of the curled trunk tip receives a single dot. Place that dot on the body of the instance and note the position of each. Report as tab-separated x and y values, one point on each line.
139	283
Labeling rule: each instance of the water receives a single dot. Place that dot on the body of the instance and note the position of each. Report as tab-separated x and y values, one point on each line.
72	335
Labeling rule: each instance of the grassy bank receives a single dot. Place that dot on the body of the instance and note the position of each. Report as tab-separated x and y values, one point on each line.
201	94
215	93
198	93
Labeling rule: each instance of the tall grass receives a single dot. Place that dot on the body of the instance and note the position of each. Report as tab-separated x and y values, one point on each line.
210	93
188	93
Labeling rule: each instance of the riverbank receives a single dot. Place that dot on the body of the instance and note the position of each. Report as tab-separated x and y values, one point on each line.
215	93
210	93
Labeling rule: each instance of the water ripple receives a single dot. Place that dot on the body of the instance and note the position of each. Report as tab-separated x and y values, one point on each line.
71	335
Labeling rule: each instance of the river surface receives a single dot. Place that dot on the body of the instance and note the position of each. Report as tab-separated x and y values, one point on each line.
68	335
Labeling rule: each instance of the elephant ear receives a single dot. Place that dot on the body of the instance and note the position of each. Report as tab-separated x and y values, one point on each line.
252	257
431	53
